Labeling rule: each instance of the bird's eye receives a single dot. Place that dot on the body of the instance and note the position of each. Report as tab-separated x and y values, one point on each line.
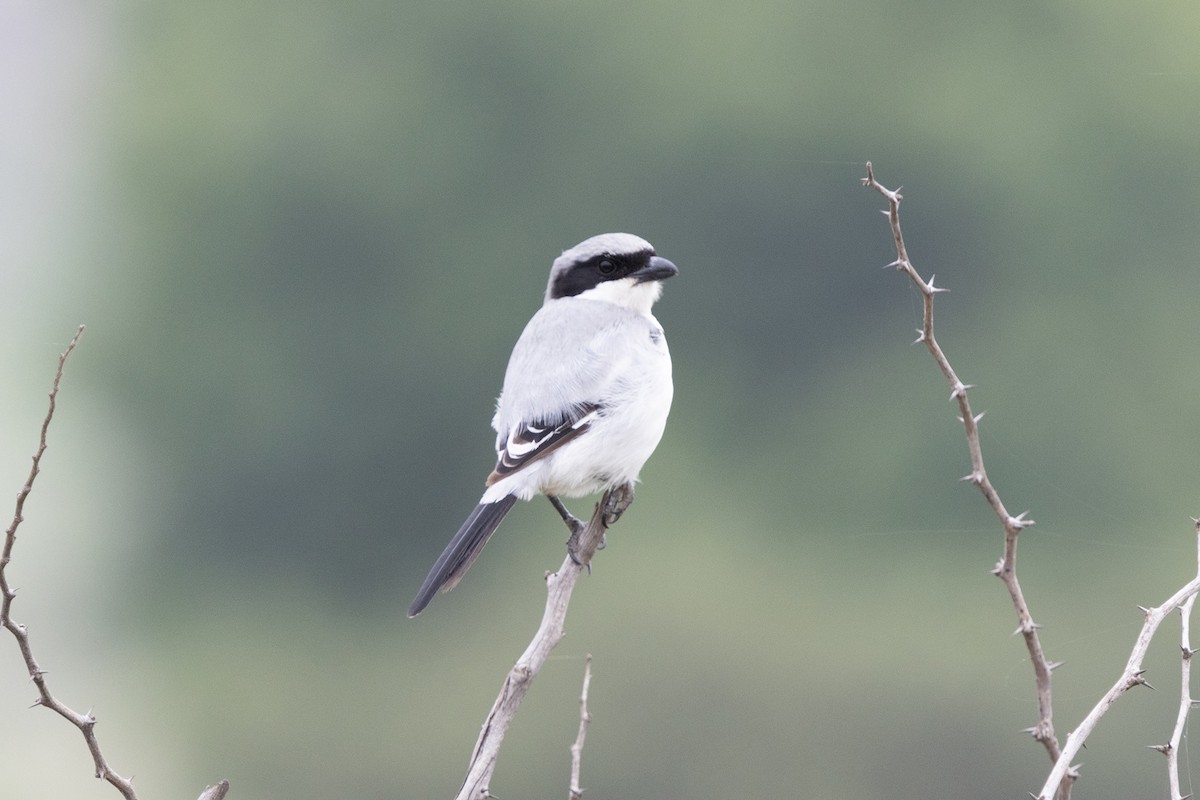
606	267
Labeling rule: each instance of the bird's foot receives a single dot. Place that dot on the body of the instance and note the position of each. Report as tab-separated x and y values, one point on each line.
611	507
615	502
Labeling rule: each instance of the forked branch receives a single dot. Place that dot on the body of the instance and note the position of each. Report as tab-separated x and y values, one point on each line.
1133	675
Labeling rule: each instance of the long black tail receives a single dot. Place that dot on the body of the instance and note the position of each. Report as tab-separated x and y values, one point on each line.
458	556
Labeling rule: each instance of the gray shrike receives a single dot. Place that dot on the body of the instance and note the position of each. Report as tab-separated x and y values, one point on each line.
585	398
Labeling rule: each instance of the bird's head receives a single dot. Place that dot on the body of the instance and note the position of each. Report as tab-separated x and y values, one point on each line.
616	268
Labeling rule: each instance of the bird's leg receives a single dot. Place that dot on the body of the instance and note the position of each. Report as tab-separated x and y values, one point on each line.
574	523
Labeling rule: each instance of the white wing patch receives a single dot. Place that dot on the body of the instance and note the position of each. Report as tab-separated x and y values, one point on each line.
530	441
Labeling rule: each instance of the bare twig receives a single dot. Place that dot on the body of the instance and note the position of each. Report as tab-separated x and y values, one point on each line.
576	791
86	723
1006	567
1185	699
559	586
1185	683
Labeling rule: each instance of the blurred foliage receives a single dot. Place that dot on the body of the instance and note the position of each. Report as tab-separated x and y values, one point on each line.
304	239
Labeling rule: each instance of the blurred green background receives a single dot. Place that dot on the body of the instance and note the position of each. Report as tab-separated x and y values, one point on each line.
304	238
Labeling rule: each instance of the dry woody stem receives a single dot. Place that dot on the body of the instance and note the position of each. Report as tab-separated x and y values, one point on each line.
1006	567
559	586
576	791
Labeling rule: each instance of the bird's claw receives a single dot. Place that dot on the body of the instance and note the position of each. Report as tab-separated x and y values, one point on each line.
615	503
613	506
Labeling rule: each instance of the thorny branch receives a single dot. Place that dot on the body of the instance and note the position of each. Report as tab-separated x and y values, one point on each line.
559	586
1006	567
86	723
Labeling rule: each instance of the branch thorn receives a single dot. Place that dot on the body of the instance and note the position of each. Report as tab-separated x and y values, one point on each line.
1019	522
929	287
1137	679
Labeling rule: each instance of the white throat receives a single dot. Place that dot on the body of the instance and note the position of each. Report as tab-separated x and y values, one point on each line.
627	292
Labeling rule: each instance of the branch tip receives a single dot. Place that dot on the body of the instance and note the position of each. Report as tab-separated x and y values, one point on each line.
216	792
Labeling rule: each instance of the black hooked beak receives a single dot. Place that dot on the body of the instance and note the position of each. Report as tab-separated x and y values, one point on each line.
656	269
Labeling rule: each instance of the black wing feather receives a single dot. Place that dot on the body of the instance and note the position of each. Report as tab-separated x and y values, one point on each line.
534	440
